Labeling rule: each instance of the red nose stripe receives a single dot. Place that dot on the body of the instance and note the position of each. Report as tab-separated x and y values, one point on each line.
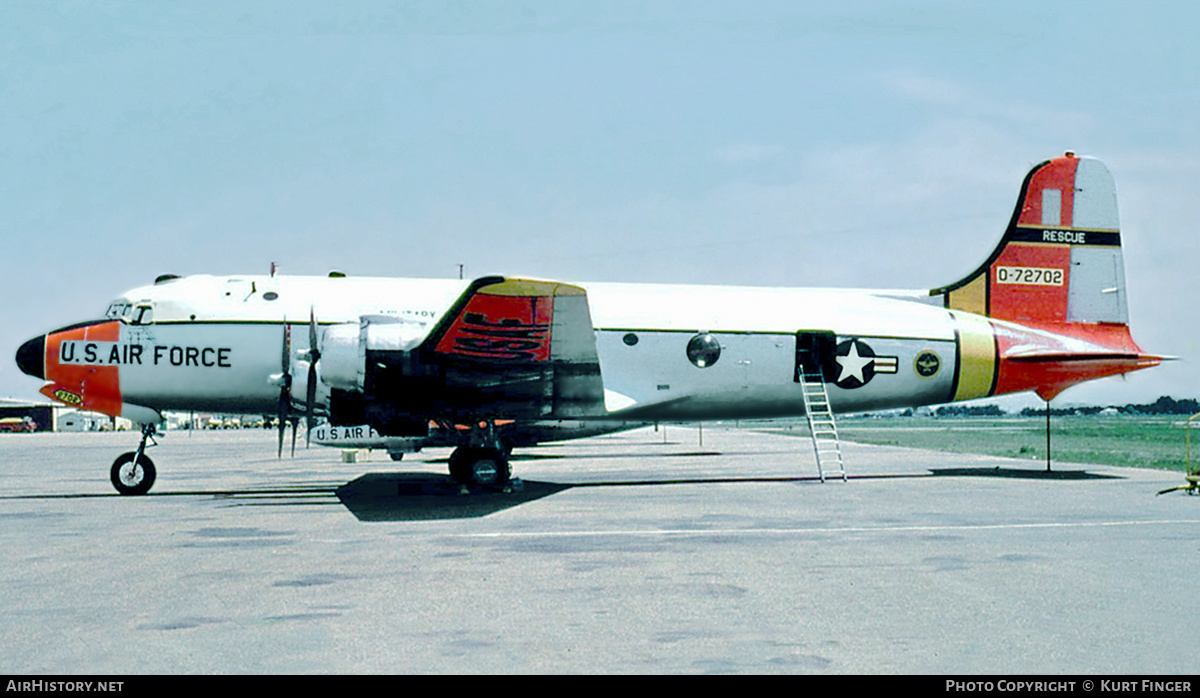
93	387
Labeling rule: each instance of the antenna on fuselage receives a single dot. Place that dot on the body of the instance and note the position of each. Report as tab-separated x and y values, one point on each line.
272	269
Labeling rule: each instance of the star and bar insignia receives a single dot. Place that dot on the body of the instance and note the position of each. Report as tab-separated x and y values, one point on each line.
858	364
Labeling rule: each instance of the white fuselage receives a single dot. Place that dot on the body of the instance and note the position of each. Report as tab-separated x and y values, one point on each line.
213	343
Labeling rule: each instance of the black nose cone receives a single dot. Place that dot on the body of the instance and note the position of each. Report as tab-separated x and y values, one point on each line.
31	357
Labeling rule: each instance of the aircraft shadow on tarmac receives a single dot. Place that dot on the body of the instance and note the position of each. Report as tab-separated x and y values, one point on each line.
1022	473
419	496
407	496
411	496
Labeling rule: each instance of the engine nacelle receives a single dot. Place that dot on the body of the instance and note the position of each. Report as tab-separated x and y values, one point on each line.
344	348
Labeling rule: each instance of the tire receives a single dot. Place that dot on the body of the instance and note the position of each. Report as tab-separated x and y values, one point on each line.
459	461
131	479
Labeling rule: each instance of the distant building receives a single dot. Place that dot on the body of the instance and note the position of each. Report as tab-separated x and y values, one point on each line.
43	413
74	420
50	416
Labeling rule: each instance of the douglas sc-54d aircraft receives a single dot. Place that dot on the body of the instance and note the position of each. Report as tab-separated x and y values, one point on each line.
496	362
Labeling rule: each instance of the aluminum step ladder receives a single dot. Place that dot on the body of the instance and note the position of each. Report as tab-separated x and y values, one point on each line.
821	424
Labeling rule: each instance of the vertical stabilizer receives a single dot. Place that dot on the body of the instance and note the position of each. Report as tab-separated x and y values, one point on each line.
1060	258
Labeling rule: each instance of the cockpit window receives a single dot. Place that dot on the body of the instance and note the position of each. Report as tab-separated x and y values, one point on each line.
119	310
143	314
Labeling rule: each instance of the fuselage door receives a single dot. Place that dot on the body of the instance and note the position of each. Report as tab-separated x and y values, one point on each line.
815	351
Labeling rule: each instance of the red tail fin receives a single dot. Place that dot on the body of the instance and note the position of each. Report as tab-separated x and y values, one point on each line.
1054	287
1060	257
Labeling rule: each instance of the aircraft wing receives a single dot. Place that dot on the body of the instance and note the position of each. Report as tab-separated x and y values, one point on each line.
512	349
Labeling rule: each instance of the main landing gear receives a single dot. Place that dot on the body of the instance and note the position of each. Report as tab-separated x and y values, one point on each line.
486	467
133	473
482	460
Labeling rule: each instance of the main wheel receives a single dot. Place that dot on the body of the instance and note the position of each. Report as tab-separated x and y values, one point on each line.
132	478
486	467
489	470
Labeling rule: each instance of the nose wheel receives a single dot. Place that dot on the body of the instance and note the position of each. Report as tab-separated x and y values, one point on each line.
133	473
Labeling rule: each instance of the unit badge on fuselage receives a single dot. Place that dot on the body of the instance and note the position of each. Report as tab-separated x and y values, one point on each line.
927	364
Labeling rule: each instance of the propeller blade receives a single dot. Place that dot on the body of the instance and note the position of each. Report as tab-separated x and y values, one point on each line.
312	336
295	426
314	355
285	361
282	421
311	397
286	386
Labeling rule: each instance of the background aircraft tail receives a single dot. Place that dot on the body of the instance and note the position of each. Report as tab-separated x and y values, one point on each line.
1060	258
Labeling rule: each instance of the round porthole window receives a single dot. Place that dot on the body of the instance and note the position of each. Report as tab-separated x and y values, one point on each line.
703	350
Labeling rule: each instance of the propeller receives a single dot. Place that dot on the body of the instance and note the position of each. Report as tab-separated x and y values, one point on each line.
285	381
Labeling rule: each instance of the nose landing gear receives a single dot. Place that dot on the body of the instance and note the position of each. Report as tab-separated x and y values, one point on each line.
133	473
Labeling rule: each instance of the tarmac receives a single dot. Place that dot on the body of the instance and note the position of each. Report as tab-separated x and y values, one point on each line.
669	551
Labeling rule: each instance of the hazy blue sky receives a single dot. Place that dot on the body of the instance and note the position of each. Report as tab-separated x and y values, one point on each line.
868	144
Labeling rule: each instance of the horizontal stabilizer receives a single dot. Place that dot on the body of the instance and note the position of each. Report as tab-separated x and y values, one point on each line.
1139	360
1048	371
